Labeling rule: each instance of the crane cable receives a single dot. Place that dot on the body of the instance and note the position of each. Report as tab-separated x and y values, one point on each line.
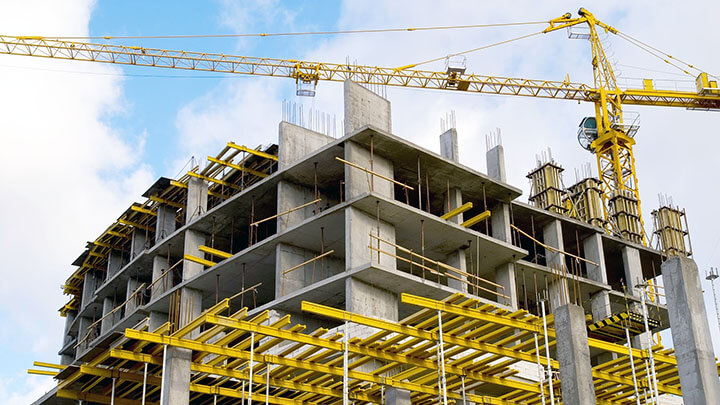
274	34
470	50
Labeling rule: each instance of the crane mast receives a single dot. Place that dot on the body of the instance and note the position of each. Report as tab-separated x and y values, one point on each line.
609	137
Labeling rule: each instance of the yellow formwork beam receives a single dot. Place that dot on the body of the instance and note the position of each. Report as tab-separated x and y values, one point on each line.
136	225
143	210
252	151
212	180
200	260
214	252
457	211
477	218
42	372
237	167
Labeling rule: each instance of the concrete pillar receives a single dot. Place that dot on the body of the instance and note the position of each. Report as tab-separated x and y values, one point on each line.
175	388
196	200
505	273
559	289
457	258
137	243
395	396
193	240
633	276
108	321
114	262
573	355
369	300
357	182
156	320
289	196
160	265
83	324
363	108
90	283
165	224
286	257
449	145
495	160
690	332
132	286
593	248
358	226
294	143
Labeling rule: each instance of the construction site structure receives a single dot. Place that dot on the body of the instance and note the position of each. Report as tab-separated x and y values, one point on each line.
369	269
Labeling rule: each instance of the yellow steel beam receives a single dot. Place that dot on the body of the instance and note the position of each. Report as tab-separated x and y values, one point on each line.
183	185
252	151
457	211
136	225
477	218
166	201
143	210
48	365
118	234
42	372
306	365
197	322
237	167
214	252
206	263
484	316
212	180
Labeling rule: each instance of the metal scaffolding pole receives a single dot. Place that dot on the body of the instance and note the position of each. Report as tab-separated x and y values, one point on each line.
252	361
112	392
345	365
650	345
547	354
267	385
144	384
632	366
540	369
442	359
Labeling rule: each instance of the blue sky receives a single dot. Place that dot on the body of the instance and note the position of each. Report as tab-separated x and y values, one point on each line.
82	140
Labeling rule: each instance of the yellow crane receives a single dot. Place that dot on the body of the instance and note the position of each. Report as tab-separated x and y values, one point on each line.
606	134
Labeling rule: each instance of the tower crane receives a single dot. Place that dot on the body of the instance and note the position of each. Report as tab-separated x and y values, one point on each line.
605	134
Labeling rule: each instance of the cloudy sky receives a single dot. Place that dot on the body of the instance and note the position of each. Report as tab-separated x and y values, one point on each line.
81	141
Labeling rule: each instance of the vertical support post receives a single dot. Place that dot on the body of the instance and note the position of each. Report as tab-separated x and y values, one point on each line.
654	390
345	364
252	360
112	392
540	369
547	353
442	359
632	366
462	382
267	385
144	384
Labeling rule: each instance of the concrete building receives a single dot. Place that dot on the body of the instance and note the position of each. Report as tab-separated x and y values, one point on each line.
334	221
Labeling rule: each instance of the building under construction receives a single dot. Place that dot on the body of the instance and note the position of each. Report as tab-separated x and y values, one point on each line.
367	269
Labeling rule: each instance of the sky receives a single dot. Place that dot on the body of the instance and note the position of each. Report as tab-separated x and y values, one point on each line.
81	141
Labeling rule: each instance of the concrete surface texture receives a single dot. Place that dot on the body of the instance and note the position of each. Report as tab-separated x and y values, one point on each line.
573	355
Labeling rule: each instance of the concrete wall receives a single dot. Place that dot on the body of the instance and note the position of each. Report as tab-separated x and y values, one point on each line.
369	300
288	256
358	226
137	243
165	224
363	107
359	182
291	195
449	145
90	283
114	263
296	142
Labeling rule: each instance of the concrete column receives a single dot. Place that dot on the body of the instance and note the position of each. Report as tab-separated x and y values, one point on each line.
286	257
449	145
114	262
690	332
196	200
633	276
132	286
457	258
600	302
137	244
90	283
291	195
495	160
365	108
505	273
395	396
175	388
357	182
83	324
107	323
552	236
156	320
191	300
358	226
193	240
294	143
165	224
160	264
573	355
369	300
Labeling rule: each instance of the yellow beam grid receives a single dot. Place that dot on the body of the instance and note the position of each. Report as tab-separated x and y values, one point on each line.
233	169
452	347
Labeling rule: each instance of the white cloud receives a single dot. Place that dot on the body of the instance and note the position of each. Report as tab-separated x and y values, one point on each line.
66	174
